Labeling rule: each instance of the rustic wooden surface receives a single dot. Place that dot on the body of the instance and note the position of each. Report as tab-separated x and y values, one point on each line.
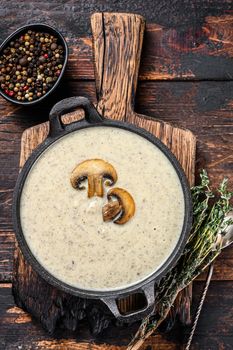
189	37
116	81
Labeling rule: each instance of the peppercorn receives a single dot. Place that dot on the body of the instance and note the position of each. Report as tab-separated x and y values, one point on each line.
23	61
42	59
53	46
30	65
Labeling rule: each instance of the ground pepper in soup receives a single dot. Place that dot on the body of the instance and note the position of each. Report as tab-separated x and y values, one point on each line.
64	224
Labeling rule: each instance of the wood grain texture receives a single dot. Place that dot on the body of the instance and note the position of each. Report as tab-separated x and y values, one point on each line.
72	17
119	37
117	48
213	333
199	53
191	40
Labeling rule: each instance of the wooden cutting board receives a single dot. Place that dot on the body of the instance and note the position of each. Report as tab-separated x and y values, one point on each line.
117	42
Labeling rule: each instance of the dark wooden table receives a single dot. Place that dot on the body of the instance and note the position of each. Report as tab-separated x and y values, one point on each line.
185	78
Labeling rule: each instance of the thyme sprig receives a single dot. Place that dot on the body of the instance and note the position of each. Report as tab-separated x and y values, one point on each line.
203	246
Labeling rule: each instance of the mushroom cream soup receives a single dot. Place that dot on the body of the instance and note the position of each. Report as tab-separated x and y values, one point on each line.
63	218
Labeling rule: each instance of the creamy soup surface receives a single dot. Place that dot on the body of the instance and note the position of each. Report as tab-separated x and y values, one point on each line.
65	229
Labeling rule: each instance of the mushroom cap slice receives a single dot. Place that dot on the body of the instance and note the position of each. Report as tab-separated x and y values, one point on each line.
111	210
95	171
126	202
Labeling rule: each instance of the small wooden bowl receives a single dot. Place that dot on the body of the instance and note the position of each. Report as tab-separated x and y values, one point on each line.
45	29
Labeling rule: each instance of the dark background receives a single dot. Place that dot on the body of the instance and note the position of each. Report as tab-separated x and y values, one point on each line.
72	17
202	103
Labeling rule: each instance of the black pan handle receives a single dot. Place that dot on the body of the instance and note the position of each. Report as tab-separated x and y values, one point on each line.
67	105
149	292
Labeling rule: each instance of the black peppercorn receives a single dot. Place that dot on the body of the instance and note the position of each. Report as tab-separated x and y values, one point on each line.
53	46
23	61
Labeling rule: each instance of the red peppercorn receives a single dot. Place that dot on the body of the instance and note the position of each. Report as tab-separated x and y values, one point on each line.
7	92
46	55
11	93
25	87
58	72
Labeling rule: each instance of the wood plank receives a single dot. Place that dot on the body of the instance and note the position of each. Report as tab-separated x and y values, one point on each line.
7	246
197	53
213	332
73	19
189	42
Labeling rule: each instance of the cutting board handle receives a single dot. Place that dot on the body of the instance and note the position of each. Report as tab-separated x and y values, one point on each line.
117	42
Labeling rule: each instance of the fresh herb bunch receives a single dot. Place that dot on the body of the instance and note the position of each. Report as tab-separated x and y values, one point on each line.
203	246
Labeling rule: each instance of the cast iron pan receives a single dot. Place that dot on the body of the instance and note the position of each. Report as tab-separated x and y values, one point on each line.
93	119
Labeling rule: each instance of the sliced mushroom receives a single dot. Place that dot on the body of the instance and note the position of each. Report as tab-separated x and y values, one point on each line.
126	204
111	210
96	171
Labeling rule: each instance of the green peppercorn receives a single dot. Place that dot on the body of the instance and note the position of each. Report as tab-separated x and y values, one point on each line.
49	80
